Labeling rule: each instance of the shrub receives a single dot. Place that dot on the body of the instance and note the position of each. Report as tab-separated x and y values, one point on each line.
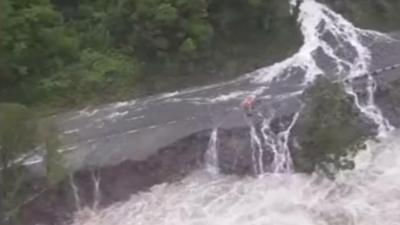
330	130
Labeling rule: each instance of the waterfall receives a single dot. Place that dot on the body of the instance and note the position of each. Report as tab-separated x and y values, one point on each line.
257	151
211	156
366	195
329	35
368	107
266	141
351	57
96	178
282	159
326	35
75	192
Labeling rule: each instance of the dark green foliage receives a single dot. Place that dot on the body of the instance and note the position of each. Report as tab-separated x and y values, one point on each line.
36	45
51	50
372	14
68	53
158	28
93	75
229	16
330	129
20	134
16	129
16	132
47	134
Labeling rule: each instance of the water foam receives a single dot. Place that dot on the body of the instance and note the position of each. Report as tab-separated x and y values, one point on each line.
211	156
329	35
317	20
344	48
364	196
367	195
283	162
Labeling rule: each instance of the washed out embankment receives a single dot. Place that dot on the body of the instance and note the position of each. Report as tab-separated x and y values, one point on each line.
117	182
117	136
123	177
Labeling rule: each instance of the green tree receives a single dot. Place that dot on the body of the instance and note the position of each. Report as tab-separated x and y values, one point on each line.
92	77
59	53
37	44
20	138
157	28
330	130
188	46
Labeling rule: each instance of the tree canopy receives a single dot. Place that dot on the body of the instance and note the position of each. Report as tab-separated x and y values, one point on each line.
331	130
67	53
22	135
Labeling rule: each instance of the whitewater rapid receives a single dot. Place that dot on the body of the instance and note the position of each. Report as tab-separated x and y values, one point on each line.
329	36
368	195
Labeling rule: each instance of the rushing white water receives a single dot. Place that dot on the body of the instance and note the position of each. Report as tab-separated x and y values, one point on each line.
292	4
264	140
344	48
96	192
283	160
257	151
75	192
368	195
328	35
369	108
211	156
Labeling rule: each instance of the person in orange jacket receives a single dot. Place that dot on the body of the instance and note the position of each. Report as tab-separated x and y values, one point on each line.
248	105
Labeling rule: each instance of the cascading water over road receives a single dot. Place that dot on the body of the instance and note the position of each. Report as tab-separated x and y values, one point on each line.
332	47
328	37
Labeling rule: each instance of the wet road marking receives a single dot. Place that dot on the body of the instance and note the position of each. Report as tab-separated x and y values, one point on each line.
135	118
132	131
68	149
115	115
71	131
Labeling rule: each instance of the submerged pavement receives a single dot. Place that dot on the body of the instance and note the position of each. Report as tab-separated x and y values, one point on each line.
109	134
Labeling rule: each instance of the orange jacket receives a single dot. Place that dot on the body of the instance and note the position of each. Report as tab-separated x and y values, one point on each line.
248	103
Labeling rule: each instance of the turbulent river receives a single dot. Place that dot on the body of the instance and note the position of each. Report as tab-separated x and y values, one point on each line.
366	195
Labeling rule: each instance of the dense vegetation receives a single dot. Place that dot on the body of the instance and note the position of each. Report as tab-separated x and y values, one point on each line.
63	53
22	135
330	131
58	54
66	53
380	15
